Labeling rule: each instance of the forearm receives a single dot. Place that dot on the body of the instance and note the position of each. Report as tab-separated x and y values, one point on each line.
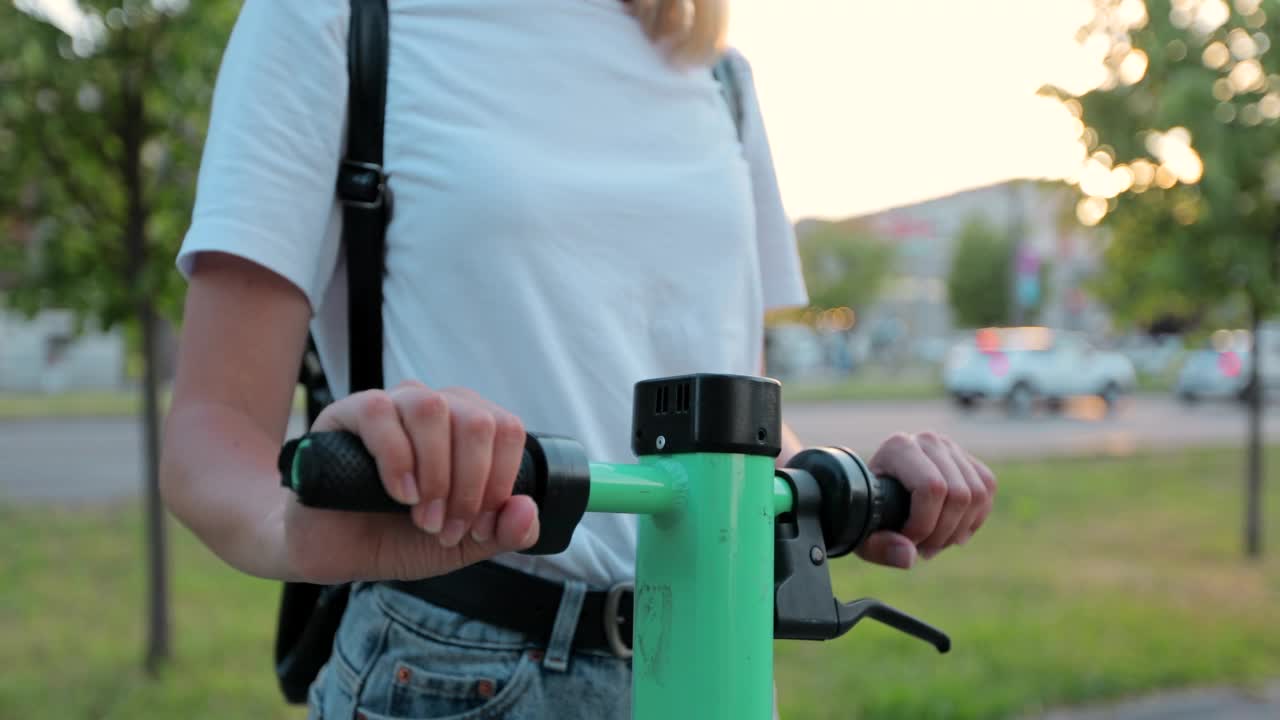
219	479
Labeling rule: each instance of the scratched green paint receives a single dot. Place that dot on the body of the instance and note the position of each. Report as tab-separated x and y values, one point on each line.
704	593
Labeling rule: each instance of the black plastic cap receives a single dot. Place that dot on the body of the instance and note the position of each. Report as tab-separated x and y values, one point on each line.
707	413
846	496
855	502
560	482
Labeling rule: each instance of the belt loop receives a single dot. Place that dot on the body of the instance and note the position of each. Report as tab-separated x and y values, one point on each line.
561	644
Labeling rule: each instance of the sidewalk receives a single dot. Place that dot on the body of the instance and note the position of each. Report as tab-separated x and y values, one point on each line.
1202	704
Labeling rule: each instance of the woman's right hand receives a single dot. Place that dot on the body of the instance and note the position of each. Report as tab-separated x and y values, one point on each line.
451	455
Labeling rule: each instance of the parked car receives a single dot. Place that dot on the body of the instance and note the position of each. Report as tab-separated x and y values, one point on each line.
1213	374
1020	366
1223	370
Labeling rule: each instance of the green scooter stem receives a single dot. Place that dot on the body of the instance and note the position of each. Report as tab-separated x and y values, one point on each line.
703	638
703	623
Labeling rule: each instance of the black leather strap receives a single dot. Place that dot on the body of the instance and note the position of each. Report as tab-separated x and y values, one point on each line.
528	604
362	187
310	614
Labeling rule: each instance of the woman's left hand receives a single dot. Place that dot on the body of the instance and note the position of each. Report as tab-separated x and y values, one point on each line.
951	496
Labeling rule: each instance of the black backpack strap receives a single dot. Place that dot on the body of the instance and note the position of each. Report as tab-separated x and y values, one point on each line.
362	188
310	614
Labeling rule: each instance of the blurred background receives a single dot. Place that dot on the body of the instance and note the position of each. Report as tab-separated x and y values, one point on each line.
1050	230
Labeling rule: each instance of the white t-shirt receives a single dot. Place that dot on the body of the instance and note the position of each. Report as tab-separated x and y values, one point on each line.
573	213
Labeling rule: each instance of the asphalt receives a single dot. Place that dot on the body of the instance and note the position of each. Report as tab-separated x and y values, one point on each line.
1198	704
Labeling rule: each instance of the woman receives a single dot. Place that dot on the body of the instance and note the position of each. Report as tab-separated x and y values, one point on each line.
574	212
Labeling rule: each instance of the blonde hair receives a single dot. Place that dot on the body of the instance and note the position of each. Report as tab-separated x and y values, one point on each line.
691	31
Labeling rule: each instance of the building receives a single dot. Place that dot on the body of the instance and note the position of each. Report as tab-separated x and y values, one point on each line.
913	312
45	354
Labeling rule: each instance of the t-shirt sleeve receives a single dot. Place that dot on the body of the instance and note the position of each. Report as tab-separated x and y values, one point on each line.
780	270
266	185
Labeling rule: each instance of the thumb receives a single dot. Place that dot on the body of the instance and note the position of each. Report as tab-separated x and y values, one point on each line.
889	549
517	525
515	529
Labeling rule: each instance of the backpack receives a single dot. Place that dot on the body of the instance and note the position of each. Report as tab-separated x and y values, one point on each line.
309	615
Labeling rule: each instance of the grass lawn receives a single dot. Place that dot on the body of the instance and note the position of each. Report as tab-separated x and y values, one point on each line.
85	403
17	406
1095	579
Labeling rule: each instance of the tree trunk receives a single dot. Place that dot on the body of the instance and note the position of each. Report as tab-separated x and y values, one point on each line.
157	556
131	131
1253	481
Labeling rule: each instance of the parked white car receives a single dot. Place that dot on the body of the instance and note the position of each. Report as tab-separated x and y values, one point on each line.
1018	366
1210	374
1223	370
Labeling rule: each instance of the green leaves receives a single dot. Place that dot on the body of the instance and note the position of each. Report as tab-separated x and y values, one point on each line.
99	141
845	265
979	284
1185	247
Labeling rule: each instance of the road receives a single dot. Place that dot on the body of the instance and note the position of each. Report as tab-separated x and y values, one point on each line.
1195	704
98	459
1142	422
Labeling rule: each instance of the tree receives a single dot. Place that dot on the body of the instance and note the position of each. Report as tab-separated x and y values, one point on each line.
980	282
845	265
1184	169
100	134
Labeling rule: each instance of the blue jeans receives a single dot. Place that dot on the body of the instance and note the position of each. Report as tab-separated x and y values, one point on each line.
397	657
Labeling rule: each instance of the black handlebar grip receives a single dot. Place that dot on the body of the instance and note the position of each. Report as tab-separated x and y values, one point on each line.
894	501
334	471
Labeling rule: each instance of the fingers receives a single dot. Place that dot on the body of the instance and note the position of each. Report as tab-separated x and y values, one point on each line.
372	415
952	494
989	484
517	526
405	553
450	454
424	414
485	445
890	549
959	496
902	457
474	428
508	452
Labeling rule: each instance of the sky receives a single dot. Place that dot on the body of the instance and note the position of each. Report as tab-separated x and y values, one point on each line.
876	103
